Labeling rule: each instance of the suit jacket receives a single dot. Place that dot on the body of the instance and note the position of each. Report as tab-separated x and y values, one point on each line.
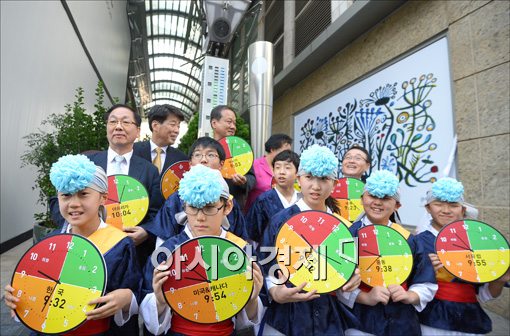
143	150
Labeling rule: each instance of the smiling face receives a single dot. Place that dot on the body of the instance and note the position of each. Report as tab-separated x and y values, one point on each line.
201	224
225	126
121	137
379	210
284	173
81	209
315	190
355	163
165	133
445	212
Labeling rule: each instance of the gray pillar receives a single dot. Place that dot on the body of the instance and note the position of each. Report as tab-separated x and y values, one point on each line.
289	32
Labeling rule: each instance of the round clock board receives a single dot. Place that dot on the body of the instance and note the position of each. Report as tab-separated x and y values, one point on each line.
347	192
385	257
318	249
208	280
55	279
172	177
127	203
239	156
473	251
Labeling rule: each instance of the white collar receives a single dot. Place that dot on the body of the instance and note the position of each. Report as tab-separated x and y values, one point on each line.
430	228
154	146
365	221
283	199
223	233
68	227
112	154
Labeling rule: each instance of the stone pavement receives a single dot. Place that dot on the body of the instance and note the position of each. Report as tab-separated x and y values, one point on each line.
9	259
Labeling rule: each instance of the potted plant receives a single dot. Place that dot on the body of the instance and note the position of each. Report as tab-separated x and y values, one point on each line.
71	132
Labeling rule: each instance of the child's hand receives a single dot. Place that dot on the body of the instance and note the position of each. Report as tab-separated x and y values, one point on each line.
283	294
353	283
399	294
435	262
138	234
258	280
10	299
159	277
376	295
112	302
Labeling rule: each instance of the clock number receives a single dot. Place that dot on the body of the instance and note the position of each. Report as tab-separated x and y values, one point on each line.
66	322
70	245
33	256
320	221
23	273
460	273
375	231
43	326
443	239
442	251
94	289
363	235
52	246
452	230
400	242
26	312
172	290
84	253
303	219
206	297
19	293
94	269
196	316
494	237
179	305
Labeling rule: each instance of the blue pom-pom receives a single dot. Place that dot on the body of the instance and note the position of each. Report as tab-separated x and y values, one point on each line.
319	161
72	173
200	186
447	189
382	183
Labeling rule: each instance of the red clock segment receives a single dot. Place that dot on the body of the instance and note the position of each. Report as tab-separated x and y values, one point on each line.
347	192
55	279
127	203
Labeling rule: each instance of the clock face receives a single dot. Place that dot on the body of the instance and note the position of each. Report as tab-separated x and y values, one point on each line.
385	257
347	193
317	248
55	279
239	156
473	251
209	282
128	201
172	177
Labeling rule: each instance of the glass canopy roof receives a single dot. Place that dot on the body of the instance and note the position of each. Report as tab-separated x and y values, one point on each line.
174	43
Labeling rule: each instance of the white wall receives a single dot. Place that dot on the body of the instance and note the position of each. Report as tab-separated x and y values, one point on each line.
42	63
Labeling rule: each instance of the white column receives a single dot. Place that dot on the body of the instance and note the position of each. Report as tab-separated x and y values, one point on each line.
338	7
289	32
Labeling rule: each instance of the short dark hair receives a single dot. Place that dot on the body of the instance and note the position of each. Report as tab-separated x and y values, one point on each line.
287	156
216	113
276	141
160	113
207	142
136	116
369	159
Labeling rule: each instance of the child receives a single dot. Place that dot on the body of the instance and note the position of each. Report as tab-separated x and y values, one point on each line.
207	202
283	195
292	312
455	309
392	310
82	193
169	220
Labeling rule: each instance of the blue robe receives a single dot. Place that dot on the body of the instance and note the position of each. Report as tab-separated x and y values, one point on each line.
325	315
265	206
396	318
165	225
447	315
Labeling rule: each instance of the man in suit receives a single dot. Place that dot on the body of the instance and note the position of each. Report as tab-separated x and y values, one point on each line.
164	123
223	123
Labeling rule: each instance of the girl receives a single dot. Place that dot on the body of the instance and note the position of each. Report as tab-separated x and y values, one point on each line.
292	312
82	193
207	202
392	310
455	309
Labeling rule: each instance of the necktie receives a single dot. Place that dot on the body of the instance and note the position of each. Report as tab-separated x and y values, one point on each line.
118	161
157	159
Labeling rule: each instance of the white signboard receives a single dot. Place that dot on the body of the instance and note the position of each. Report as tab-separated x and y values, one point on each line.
401	114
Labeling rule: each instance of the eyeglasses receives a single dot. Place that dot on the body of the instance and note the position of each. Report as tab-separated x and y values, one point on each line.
207	210
123	123
209	156
356	158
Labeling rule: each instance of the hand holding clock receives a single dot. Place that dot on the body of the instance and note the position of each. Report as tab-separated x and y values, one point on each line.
111	303
377	294
399	294
10	299
159	277
284	294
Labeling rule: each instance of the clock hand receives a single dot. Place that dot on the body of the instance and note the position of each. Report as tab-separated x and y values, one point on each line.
196	279
373	263
122	193
194	271
46	275
49	296
463	242
114	201
463	247
377	255
320	254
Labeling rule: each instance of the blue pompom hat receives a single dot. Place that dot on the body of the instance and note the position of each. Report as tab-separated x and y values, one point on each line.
383	183
446	189
72	173
318	161
202	185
